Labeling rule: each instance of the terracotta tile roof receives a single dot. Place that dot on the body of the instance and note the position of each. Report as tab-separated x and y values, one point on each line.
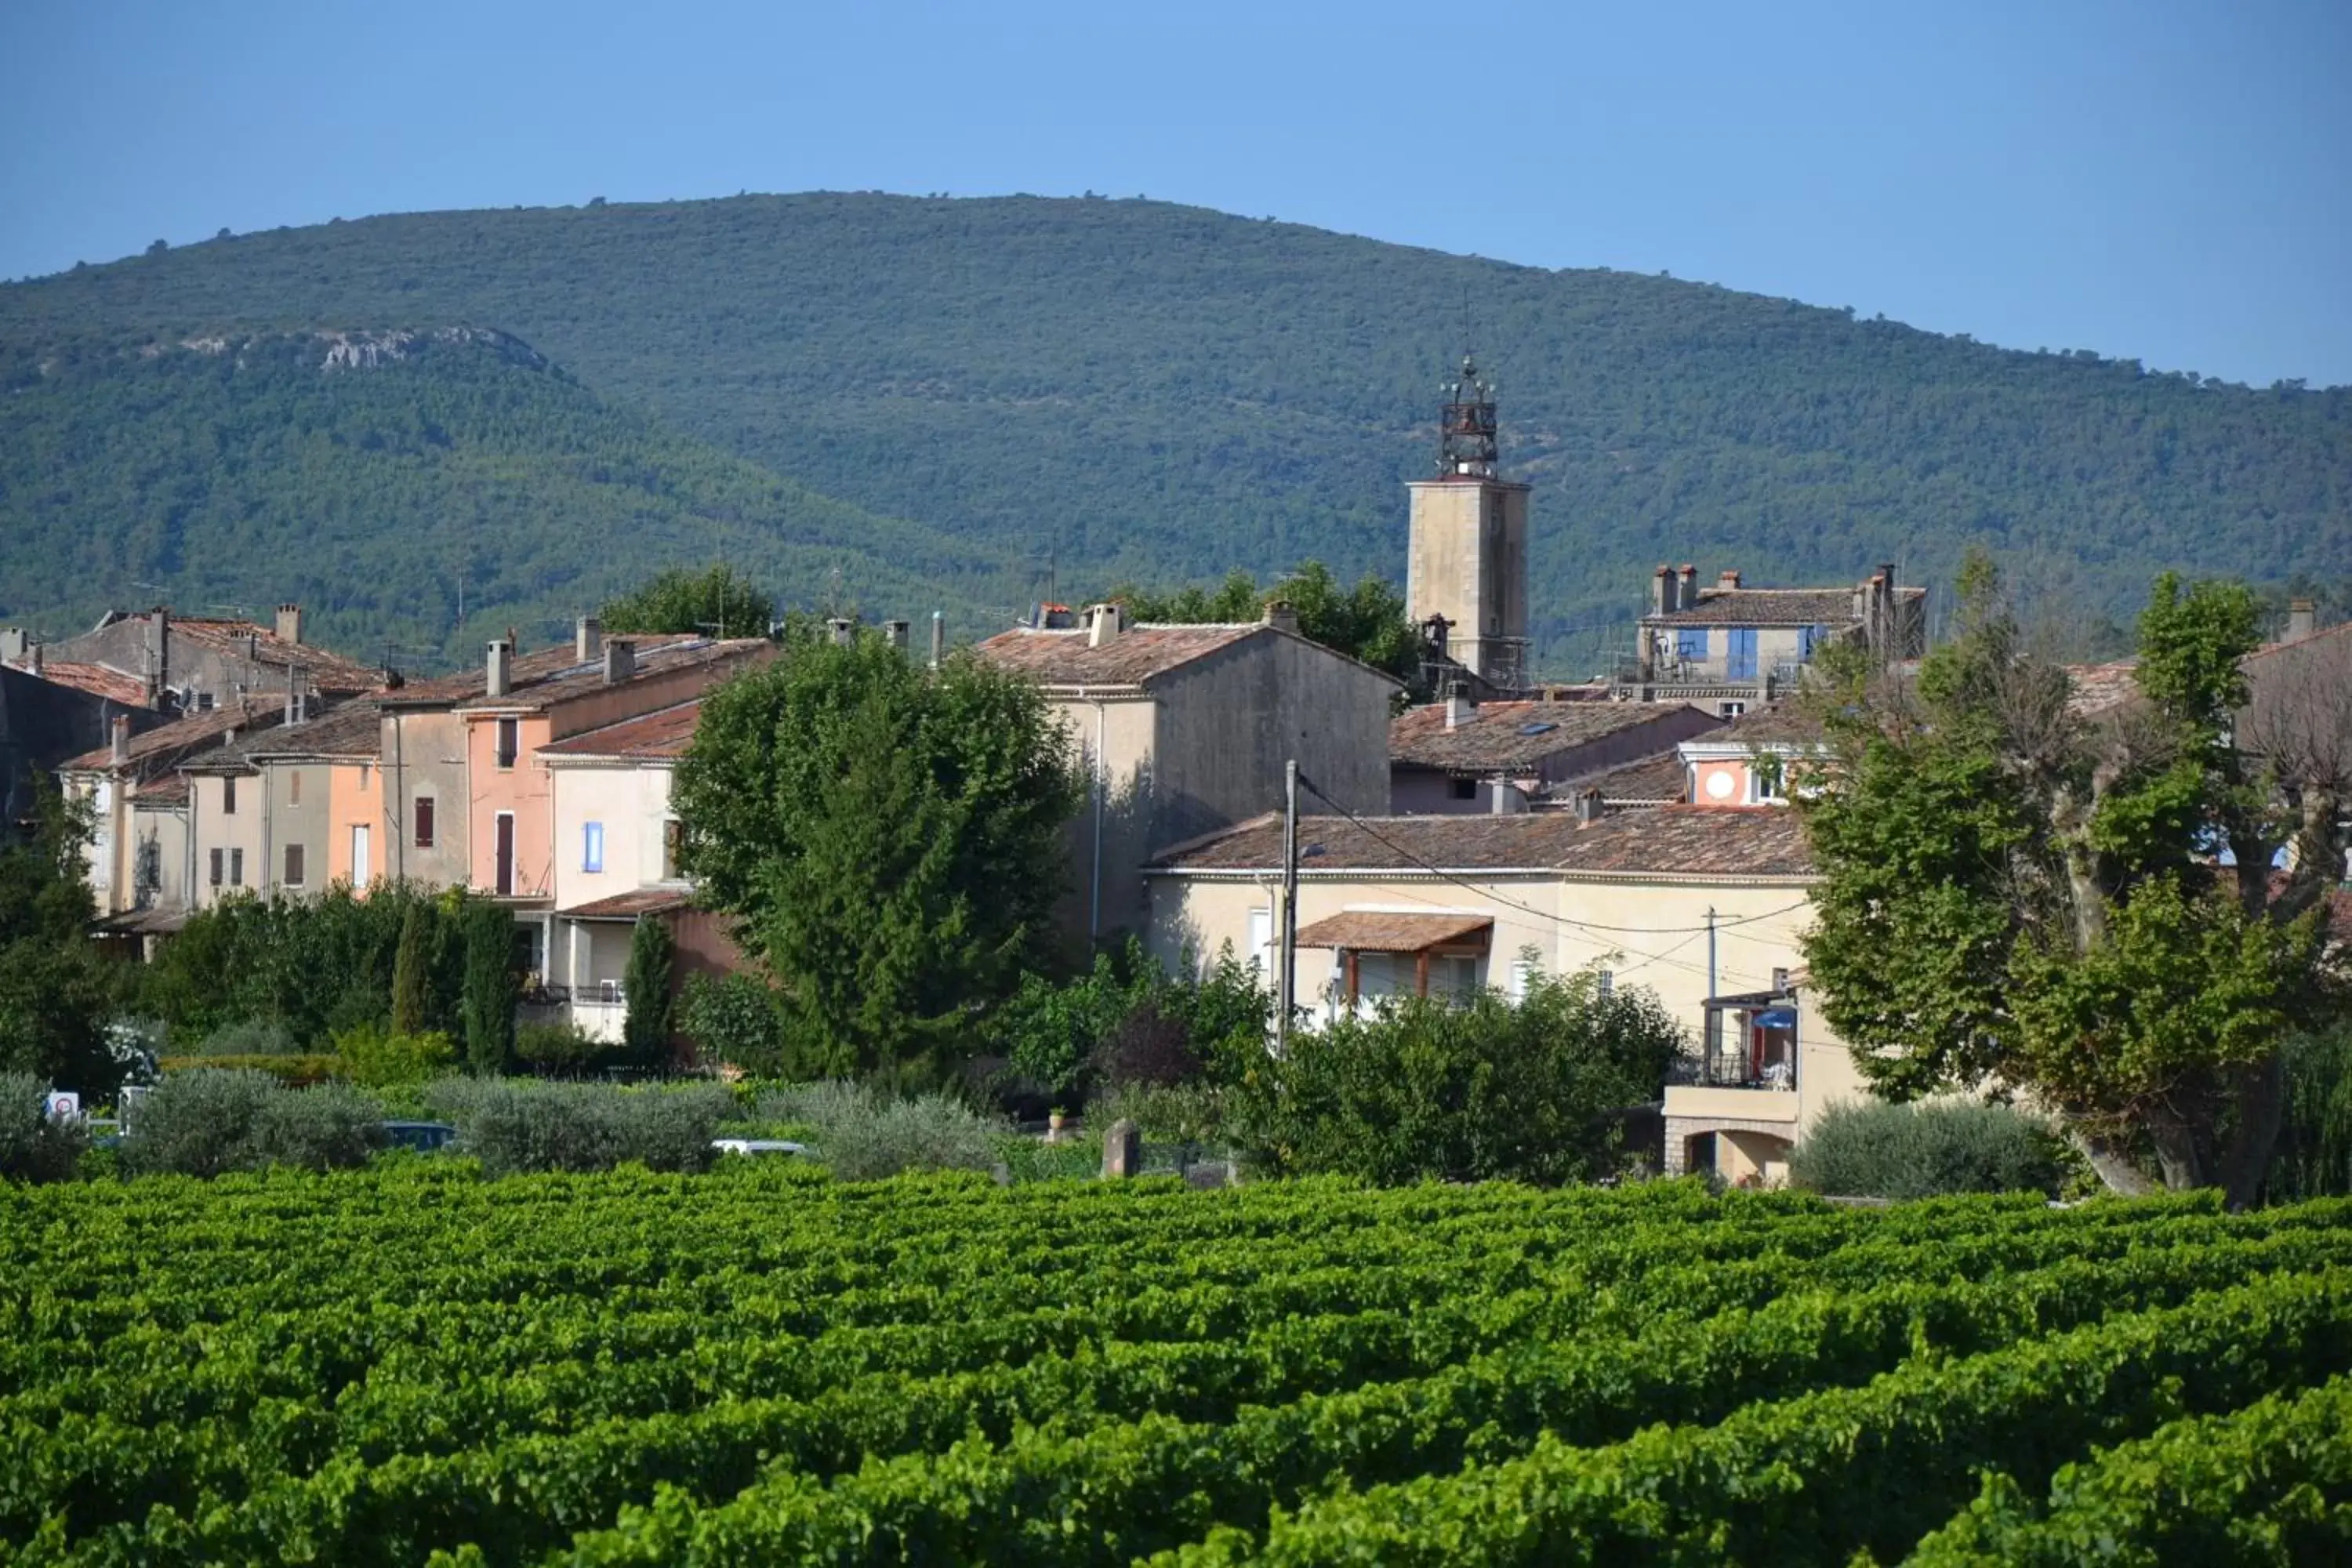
167	746
1692	840
629	905
352	731
1512	734
95	679
2342	631
655	736
2099	687
325	669
1134	657
442	690
535	689
164	789
1656	781
1831	607
1380	931
1776	724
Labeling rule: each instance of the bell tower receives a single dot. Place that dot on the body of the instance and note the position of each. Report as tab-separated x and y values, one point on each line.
1467	558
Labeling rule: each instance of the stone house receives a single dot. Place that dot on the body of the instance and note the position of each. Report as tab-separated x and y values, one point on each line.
1462	756
1732	648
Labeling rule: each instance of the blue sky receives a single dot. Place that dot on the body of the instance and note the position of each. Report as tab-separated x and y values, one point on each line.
2153	180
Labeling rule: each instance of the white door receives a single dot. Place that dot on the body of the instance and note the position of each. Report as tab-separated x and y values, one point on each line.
361	870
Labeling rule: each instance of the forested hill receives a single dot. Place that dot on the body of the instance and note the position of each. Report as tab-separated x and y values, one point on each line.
1155	392
378	476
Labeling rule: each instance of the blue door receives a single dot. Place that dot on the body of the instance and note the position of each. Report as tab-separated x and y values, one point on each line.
1741	664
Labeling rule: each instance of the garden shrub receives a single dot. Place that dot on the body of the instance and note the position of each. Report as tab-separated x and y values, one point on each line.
561	1049
1164	1113
1424	1089
863	1135
250	1037
329	1128
32	1147
1126	1021
1933	1149
294	1071
381	1059
209	1121
733	1018
523	1124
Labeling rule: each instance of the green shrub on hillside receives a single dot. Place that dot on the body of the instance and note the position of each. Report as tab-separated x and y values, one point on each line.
1929	1150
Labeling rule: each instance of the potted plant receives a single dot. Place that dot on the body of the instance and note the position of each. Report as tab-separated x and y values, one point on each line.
1054	1120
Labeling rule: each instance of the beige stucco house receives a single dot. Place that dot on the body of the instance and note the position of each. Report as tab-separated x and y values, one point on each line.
1702	906
1183	730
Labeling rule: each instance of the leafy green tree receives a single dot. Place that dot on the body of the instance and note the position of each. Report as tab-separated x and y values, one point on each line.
412	970
889	840
718	600
54	993
2015	895
646	984
1366	622
1423	1089
493	985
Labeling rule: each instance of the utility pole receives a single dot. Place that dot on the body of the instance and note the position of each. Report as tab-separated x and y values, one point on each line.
1713	1015
1286	974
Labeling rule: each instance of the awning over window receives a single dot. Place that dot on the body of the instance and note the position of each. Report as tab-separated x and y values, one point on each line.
1375	931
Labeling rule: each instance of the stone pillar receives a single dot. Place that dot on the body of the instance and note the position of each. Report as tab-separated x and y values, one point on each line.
1122	1150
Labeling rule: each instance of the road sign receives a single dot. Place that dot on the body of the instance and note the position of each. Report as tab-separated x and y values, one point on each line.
65	1105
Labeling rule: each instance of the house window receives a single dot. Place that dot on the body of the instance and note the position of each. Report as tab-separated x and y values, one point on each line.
216	867
1464	789
1730	710
237	868
425	822
509	741
673	841
203	701
1765	784
1604	984
1690	644
294	787
294	865
592	847
502	855
228	796
1522	972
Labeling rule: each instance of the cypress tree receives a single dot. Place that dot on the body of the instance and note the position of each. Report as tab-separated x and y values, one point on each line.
493	986
647	984
411	967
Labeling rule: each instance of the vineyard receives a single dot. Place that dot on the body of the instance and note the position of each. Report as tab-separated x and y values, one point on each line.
412	1364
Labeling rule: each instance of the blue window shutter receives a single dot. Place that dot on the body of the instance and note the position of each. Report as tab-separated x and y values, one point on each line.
1740	665
1690	643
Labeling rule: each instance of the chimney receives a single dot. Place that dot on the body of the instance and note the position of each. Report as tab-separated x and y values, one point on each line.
290	625
2301	617
1281	616
498	678
1687	595
620	660
895	633
1104	623
938	637
588	639
120	756
32	658
1663	600
1588	806
1725	582
1458	706
841	629
159	655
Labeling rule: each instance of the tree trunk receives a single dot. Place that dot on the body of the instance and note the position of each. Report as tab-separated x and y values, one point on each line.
2112	1164
2261	1108
2179	1153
